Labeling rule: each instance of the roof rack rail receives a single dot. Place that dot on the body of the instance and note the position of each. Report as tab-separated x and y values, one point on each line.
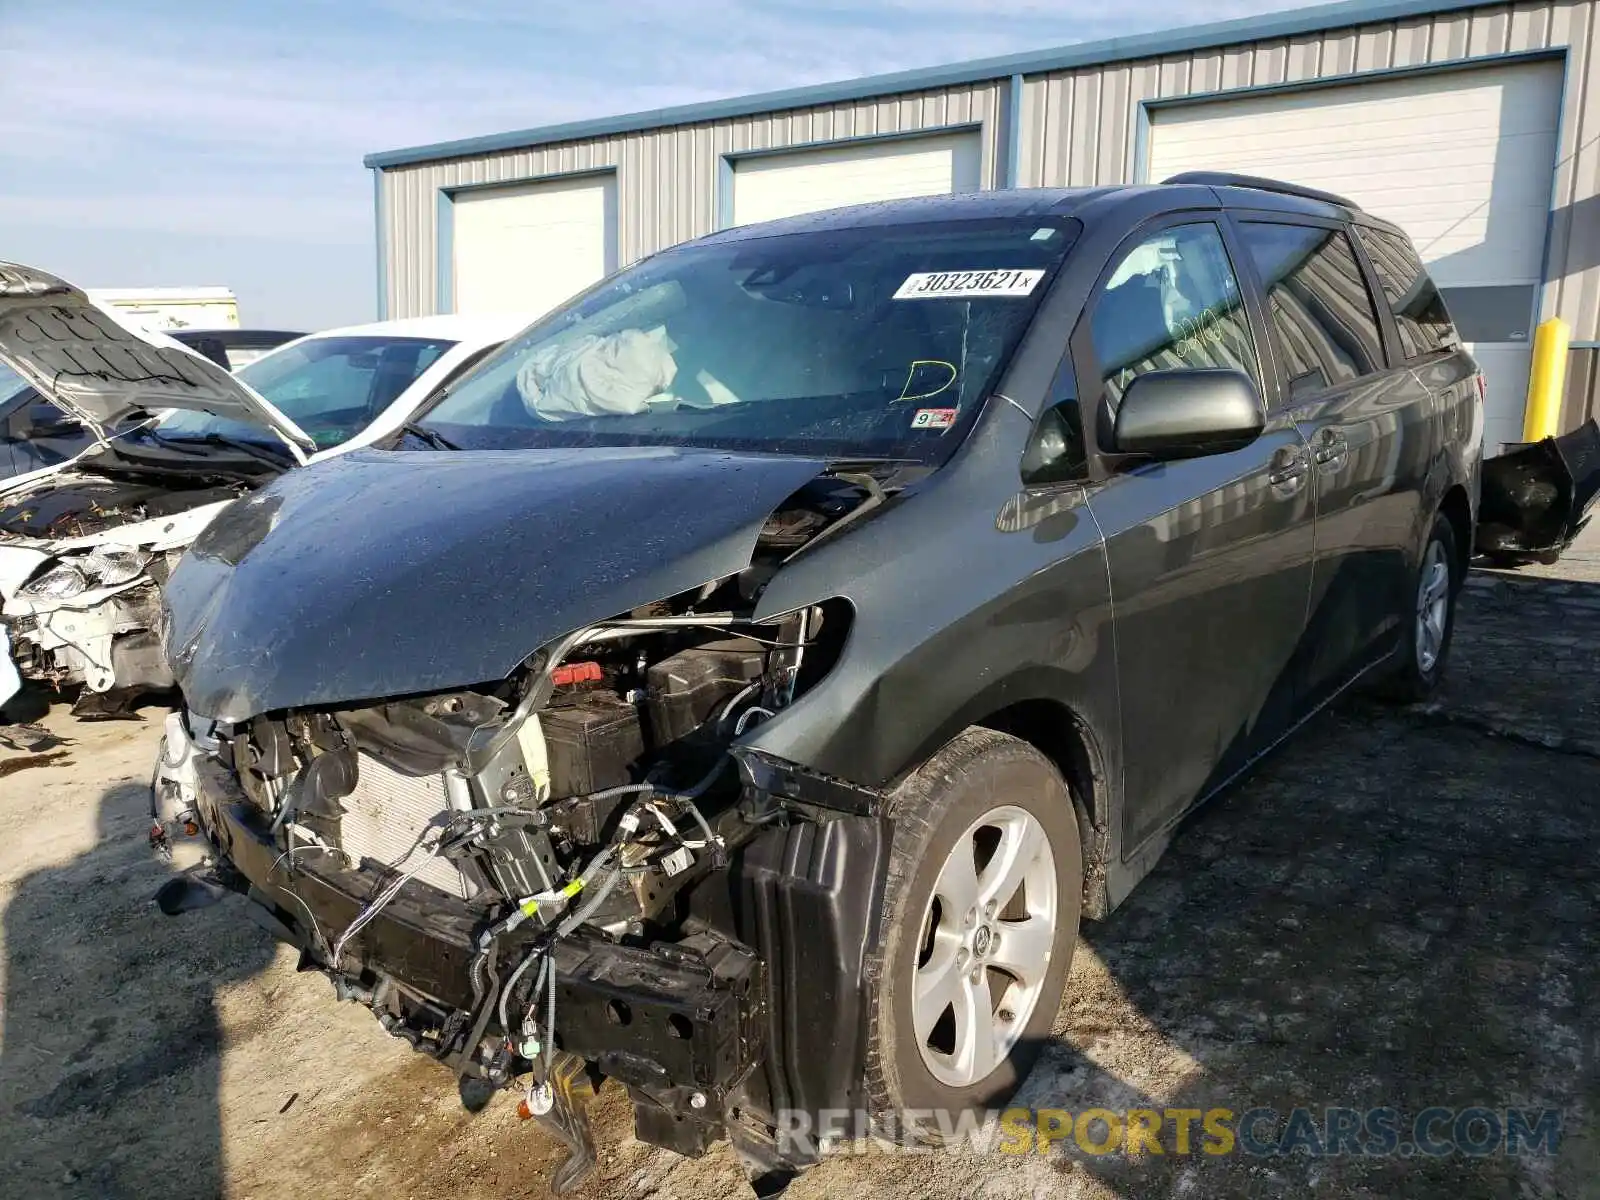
1225	179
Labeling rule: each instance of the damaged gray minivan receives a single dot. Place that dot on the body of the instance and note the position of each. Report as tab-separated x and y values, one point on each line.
770	655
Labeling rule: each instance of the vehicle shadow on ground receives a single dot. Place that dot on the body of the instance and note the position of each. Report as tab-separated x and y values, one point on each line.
105	1004
1400	910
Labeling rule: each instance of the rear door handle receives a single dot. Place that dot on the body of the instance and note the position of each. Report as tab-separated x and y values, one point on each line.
1332	447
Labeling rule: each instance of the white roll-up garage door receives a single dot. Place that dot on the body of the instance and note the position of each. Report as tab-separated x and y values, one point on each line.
781	185
527	247
1462	160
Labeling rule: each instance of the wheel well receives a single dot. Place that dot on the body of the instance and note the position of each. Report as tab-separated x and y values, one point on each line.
1457	509
1063	737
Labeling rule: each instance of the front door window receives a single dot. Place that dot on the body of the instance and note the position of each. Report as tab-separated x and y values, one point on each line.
1172	303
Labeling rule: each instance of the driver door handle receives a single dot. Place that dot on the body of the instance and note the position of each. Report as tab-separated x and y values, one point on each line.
1289	469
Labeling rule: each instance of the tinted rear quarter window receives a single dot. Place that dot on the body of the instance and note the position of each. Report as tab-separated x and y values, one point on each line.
1324	322
1419	311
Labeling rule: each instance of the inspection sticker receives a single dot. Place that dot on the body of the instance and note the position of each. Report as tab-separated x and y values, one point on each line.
933	418
963	285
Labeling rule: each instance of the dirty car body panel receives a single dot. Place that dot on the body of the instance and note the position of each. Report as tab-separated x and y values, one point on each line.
632	609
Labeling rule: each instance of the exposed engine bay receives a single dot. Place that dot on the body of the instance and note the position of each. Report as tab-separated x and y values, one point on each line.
81	505
111	644
519	871
583	787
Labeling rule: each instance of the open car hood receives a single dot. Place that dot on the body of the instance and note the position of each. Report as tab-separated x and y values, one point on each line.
93	365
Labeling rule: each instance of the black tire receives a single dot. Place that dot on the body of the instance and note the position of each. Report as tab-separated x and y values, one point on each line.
1413	682
931	809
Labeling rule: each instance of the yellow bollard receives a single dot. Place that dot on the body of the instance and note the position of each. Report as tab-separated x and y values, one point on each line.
1547	381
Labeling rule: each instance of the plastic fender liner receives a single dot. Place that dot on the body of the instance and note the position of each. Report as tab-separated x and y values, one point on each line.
807	899
1535	498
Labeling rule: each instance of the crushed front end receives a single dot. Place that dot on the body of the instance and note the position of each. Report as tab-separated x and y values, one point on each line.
82	562
67	627
573	875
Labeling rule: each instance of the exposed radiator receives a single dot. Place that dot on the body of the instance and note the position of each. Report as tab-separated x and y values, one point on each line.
386	815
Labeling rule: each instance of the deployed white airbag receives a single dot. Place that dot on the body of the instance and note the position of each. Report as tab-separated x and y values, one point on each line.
617	374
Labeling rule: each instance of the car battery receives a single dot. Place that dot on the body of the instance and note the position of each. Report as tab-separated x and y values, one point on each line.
592	739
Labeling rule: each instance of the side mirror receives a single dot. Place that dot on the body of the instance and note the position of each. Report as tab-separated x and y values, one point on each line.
1184	414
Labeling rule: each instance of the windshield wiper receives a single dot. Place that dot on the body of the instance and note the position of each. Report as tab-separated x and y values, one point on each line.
423	434
254	449
854	462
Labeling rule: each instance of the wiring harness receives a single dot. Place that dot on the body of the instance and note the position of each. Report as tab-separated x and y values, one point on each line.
558	908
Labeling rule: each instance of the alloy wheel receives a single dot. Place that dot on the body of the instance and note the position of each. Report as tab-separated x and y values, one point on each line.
987	938
1433	605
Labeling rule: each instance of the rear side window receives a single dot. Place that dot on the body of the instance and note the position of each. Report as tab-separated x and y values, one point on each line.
1323	319
1419	311
1172	304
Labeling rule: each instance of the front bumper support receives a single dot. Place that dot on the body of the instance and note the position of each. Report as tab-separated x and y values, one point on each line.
680	1023
759	1005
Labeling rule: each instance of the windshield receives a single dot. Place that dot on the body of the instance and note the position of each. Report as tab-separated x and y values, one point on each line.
875	342
331	387
15	391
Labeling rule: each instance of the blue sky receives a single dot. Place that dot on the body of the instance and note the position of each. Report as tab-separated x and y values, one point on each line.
166	143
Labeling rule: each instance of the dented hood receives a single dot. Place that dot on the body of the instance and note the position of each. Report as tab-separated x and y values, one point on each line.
385	573
92	364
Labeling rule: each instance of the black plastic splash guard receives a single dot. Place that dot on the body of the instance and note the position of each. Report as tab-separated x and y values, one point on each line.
1537	497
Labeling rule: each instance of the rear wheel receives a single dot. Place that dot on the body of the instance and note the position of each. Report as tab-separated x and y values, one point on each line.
981	918
1431	623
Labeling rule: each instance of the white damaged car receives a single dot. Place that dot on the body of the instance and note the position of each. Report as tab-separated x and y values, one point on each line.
86	545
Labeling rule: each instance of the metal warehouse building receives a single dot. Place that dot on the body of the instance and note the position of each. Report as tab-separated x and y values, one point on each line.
1477	127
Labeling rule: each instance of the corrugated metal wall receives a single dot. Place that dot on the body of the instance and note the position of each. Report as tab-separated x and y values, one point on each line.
1077	127
666	178
1582	400
1080	127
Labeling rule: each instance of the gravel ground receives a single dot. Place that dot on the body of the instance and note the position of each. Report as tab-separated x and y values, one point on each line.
1400	910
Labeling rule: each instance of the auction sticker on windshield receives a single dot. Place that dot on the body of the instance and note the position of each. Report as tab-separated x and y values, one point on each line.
964	285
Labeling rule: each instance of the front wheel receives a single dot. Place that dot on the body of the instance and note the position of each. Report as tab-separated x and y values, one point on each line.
981	910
